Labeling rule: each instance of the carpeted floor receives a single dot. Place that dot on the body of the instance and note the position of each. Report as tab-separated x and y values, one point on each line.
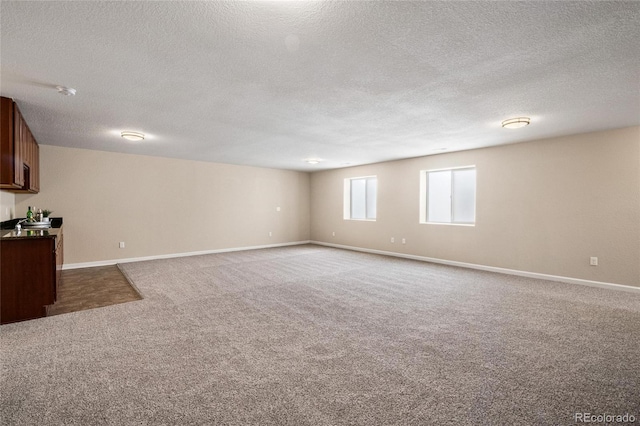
310	335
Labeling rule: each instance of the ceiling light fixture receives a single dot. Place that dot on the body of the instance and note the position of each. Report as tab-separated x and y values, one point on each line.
313	160
516	123
67	91
132	136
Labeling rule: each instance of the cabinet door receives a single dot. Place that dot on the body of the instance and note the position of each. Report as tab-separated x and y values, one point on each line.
26	156
30	160
59	255
20	169
7	146
35	169
28	286
18	143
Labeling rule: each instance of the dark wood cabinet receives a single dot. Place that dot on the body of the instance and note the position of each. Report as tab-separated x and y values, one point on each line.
20	170
35	178
11	176
31	273
59	257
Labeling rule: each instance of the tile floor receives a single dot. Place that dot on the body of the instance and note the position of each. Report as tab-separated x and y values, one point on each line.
90	288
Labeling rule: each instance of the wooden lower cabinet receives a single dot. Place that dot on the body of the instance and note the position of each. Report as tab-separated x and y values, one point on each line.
59	255
31	270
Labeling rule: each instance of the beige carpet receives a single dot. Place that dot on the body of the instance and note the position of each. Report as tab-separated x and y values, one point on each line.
310	335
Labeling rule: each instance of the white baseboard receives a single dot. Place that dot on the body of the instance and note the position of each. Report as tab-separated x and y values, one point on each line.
169	256
489	268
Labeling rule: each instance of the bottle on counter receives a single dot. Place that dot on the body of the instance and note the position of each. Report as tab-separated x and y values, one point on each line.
39	216
29	214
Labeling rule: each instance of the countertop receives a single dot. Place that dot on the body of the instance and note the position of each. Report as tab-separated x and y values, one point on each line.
32	233
8	230
56	222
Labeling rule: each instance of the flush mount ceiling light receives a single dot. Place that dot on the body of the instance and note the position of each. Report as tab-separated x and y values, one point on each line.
516	123
132	136
313	160
67	91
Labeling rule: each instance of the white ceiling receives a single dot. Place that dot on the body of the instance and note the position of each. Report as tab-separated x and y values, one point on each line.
273	83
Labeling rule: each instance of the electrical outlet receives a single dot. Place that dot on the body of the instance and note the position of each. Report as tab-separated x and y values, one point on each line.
277	209
593	261
404	241
333	233
121	244
270	234
393	240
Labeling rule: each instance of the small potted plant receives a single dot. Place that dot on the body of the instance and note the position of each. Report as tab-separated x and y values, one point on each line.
45	215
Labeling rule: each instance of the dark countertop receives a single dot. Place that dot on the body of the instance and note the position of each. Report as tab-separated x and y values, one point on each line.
32	233
8	230
56	222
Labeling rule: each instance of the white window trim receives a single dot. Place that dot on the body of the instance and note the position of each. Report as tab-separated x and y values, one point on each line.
347	198
423	196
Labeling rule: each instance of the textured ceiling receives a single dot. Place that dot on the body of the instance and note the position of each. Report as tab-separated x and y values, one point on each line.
273	83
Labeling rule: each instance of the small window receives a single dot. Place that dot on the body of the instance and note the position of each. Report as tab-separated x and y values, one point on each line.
360	196
448	196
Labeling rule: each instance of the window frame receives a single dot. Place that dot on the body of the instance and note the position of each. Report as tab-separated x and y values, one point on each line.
424	196
348	209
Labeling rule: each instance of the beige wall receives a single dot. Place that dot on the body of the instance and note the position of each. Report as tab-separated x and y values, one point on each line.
7	205
163	206
543	207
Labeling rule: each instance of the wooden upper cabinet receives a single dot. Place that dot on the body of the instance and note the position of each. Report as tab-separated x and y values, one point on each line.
11	176
20	170
35	175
